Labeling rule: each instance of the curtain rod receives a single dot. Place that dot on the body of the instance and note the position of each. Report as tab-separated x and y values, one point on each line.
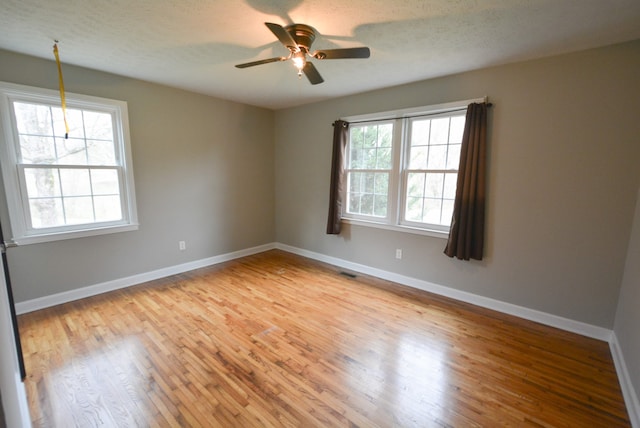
410	116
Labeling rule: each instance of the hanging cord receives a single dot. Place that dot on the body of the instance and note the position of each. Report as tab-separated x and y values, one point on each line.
63	100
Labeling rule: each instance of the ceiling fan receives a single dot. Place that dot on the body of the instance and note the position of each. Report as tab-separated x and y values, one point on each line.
298	39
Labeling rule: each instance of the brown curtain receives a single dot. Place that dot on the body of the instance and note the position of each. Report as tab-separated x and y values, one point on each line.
466	238
336	192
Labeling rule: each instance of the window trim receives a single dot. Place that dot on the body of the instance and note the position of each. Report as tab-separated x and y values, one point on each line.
394	221
13	185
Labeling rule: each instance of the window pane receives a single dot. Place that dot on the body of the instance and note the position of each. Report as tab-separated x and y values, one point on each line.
415	184
98	125
71	151
418	157
356	137
431	213
78	210
77	205
437	157
366	204
370	147
385	135
368	182
33	119
453	157
354	203
447	212
36	149
384	160
420	132
355	160
368	193
46	212
450	184
380	205
75	182
370	136
413	210
439	131
105	182
101	152
433	185
381	186
74	120
370	158
108	208
42	182
354	182
457	129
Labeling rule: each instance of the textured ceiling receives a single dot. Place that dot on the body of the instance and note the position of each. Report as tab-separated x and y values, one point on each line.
194	44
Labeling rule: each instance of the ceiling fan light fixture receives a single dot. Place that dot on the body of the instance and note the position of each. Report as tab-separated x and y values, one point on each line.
299	60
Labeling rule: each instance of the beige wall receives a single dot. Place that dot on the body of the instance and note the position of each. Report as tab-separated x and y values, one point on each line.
203	173
627	325
564	168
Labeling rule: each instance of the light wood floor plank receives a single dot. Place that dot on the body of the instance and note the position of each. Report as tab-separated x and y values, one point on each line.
276	340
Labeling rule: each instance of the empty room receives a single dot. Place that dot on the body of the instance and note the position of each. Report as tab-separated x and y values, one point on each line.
307	213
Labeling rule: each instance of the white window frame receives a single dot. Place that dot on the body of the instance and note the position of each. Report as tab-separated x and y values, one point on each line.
19	216
398	177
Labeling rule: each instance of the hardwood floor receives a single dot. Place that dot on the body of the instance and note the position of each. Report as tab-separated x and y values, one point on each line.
278	340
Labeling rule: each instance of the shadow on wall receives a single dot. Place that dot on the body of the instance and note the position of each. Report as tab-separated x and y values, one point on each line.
3	423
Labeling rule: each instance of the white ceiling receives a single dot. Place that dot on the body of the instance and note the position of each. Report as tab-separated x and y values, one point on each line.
194	44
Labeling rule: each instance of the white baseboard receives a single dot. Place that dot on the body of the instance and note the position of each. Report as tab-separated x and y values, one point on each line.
628	391
485	302
92	290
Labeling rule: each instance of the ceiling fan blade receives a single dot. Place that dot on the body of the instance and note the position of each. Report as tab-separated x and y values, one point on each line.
312	73
282	35
262	61
362	52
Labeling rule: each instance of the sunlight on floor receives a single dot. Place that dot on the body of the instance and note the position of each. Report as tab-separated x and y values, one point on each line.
408	372
115	369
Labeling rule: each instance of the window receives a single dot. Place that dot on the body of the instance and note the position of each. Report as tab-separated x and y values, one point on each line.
401	172
57	187
370	166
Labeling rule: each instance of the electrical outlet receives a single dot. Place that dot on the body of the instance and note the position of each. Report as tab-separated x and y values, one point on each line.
182	245
398	253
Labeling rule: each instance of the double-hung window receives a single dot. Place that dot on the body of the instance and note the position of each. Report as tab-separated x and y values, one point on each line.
402	167
58	187
370	170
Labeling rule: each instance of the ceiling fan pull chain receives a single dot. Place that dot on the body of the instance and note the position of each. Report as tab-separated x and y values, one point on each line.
63	100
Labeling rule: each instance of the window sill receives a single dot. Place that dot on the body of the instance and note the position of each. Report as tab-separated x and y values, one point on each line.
49	237
398	228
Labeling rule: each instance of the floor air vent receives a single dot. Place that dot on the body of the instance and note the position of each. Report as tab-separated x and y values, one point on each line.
347	274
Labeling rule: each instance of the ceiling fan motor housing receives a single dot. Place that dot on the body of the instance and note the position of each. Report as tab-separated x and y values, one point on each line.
304	35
